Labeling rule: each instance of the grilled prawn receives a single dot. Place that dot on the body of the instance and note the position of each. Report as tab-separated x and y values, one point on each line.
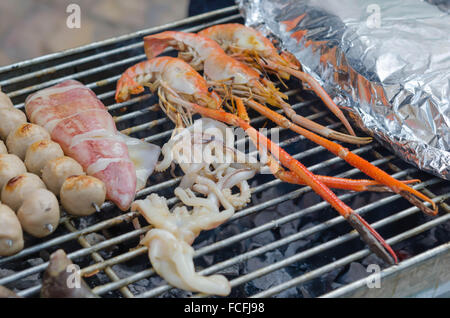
230	78
251	47
218	67
182	91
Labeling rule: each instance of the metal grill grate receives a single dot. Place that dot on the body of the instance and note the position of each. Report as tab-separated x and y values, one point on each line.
114	267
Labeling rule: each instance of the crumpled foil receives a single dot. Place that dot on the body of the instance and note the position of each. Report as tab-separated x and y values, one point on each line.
386	62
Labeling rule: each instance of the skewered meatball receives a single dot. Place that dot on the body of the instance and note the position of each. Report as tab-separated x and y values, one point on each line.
39	213
11	118
5	101
17	189
79	193
23	136
58	170
11	236
40	153
3	149
10	167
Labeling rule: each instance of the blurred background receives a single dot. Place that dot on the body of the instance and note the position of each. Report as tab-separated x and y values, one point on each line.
31	28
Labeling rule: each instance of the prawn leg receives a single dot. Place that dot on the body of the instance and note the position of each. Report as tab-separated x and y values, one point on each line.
354	160
370	236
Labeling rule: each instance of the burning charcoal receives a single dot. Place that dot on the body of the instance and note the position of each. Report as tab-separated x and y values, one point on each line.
305	292
6	293
94	238
289	228
373	259
56	279
295	247
177	293
136	289
355	272
4	272
264	217
230	271
286	207
329	278
313	237
264	238
265	196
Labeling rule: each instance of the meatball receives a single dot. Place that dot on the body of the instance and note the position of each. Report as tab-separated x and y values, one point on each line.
40	153
56	171
10	167
23	136
3	149
5	101
11	118
39	213
80	193
17	189
11	235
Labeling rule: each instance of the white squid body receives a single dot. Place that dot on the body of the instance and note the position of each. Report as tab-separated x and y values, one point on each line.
169	243
144	156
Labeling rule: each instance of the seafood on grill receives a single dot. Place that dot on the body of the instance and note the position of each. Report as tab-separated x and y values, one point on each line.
212	169
251	47
62	279
77	120
172	258
168	76
11	235
217	66
230	77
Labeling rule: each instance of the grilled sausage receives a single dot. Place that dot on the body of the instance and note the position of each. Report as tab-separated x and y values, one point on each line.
10	167
80	193
39	213
11	236
23	136
3	149
40	153
11	118
56	171
17	189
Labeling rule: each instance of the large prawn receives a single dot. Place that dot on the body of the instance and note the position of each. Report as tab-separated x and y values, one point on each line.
204	53
183	92
229	76
251	47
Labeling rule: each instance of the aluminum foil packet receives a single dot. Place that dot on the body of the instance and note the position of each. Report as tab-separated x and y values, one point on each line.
387	62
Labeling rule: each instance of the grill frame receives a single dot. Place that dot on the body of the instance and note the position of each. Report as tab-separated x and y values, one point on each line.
22	78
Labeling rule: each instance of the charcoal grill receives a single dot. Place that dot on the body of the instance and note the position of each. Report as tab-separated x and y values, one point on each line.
252	247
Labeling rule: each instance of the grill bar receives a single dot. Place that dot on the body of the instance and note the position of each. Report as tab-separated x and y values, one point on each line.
141	117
